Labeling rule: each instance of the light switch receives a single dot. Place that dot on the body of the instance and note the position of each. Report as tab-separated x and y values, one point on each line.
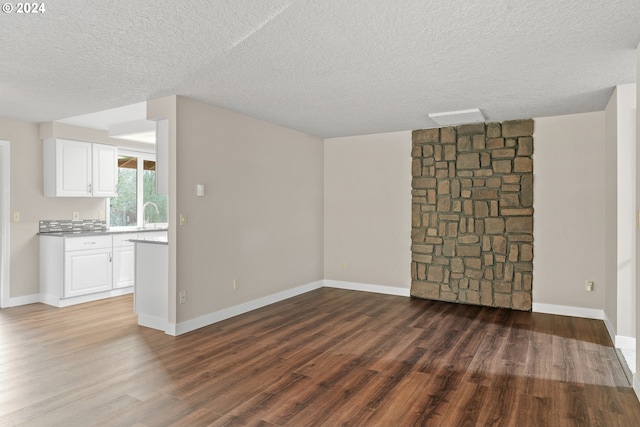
183	219
16	216
200	190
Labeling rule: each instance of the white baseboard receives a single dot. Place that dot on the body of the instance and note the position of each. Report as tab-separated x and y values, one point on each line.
66	302
49	300
217	316
567	310
625	342
153	322
636	385
610	329
171	329
364	287
23	300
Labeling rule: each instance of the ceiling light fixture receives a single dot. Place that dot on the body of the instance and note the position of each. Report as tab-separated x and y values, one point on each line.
139	131
453	118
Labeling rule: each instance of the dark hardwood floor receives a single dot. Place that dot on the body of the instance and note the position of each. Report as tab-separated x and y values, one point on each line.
326	358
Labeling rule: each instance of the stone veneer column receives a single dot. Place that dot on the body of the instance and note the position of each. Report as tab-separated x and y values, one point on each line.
472	214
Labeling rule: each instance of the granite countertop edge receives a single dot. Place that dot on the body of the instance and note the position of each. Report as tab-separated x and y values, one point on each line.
151	240
99	233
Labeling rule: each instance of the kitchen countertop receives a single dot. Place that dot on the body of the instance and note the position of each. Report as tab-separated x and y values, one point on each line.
101	232
151	240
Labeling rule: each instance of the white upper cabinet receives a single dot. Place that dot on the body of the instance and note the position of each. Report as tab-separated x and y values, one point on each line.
105	170
72	168
79	169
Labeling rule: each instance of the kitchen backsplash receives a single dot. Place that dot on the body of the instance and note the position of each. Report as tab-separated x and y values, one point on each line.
71	226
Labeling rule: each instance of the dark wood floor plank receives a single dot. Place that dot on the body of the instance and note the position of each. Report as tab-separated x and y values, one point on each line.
534	411
330	396
400	400
466	408
486	360
329	357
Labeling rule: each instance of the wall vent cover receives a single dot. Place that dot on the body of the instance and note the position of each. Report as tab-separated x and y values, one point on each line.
453	118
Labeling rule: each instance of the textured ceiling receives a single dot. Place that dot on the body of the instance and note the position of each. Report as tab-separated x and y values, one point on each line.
328	68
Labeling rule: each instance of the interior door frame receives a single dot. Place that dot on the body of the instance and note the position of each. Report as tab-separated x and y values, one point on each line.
5	175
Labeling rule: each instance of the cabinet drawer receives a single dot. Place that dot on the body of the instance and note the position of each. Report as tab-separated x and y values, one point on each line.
87	242
120	240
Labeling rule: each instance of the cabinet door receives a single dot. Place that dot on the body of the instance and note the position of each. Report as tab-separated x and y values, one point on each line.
87	272
73	168
124	269
105	170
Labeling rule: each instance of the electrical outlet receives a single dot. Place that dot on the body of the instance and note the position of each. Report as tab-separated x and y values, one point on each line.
236	283
183	297
101	215
589	286
183	219
75	216
343	265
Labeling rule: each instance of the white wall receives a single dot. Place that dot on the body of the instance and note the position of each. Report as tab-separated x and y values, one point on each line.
261	220
63	130
368	209
636	384
569	221
611	210
28	199
626	192
157	109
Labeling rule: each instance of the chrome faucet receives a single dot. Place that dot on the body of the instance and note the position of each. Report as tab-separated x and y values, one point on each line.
144	218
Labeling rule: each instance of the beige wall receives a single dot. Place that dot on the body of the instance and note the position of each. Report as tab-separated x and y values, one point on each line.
569	197
611	210
261	220
268	207
364	187
368	209
28	199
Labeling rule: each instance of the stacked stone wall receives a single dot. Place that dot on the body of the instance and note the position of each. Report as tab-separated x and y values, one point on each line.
472	214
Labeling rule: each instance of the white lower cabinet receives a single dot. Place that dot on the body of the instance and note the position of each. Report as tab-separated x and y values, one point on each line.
124	261
87	272
76	269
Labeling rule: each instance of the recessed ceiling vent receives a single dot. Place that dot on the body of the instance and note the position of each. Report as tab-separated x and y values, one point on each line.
453	118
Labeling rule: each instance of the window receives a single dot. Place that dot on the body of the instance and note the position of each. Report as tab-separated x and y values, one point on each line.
137	203
156	204
123	209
